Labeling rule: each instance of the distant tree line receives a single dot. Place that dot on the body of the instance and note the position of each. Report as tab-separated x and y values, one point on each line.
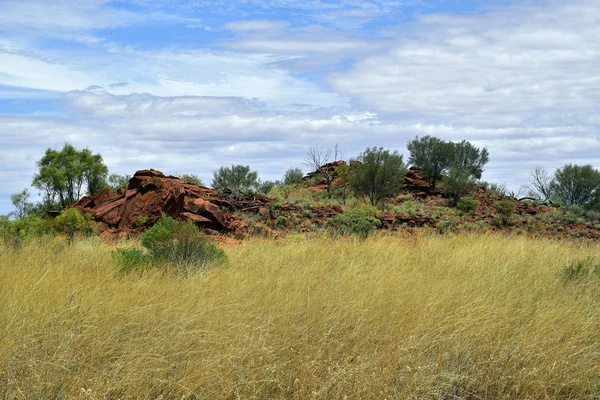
376	174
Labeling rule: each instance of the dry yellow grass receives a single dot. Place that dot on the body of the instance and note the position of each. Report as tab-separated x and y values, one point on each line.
464	317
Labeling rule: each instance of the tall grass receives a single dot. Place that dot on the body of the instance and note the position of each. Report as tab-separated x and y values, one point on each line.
464	317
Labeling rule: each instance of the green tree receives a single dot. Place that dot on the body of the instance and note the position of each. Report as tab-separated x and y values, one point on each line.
432	156
293	176
192	178
64	175
71	221
576	185
470	158
266	186
235	177
116	181
378	175
458	183
21	203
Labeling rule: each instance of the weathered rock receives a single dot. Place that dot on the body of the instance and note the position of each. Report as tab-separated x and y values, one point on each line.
150	194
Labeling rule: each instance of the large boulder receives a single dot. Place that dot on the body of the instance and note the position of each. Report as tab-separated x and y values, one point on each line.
149	194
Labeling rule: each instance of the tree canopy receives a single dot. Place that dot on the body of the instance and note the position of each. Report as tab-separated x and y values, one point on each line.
576	185
378	174
434	157
235	177
66	174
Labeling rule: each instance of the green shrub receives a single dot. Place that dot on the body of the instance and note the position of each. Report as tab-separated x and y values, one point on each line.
277	205
467	204
360	222
404	197
579	270
71	221
141	220
181	244
446	226
132	259
504	209
576	210
16	233
283	221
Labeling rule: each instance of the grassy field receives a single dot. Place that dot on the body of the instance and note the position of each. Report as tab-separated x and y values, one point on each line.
479	317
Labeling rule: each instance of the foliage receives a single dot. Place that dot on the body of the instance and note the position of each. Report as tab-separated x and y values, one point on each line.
505	209
141	220
360	222
16	233
293	176
467	204
283	220
116	181
341	191
22	205
580	270
66	174
434	157
235	177
470	158
71	221
378	175
577	185
193	179
132	259
266	186
458	183
179	243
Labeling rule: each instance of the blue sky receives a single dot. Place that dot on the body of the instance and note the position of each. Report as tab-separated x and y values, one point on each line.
188	86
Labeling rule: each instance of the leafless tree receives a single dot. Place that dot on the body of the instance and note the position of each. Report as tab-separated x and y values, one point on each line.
541	185
317	159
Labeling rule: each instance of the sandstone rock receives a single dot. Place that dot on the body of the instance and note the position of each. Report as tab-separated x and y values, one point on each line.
149	194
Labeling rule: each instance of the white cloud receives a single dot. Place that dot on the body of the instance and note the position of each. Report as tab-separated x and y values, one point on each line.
519	65
264	25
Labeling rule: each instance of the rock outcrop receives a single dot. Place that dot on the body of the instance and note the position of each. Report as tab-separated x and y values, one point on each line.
149	194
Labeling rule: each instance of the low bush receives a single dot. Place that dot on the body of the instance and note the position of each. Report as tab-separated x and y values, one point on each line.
176	243
504	209
15	233
360	222
579	270
132	259
283	221
71	221
467	204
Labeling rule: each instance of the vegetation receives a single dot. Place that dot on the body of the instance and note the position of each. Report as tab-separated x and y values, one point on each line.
235	177
378	174
192	178
318	157
505	210
71	221
306	318
293	176
360	222
434	157
66	174
116	181
467	204
577	185
458	183
21	203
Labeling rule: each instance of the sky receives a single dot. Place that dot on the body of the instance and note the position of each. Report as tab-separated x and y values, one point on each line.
189	86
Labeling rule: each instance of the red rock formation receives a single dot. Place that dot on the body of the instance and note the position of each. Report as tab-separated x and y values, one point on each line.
149	194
